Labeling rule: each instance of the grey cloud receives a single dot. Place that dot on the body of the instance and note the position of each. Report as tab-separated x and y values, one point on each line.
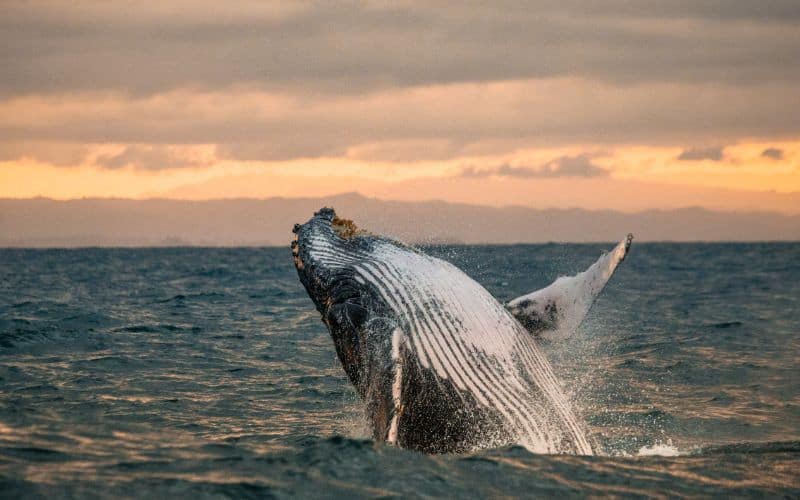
254	126
565	166
779	11
146	158
773	153
57	154
696	154
52	47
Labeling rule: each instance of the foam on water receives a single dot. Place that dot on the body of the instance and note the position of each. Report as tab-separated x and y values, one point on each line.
659	450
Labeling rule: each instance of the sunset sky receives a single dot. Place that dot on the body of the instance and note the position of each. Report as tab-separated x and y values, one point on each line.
614	104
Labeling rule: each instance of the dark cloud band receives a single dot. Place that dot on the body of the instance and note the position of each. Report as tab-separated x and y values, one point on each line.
343	48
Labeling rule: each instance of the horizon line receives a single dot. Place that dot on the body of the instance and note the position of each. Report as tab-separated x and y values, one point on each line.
356	194
413	243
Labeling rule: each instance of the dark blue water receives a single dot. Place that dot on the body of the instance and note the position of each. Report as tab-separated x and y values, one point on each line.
207	372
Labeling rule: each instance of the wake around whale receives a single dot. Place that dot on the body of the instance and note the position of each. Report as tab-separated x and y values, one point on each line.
441	364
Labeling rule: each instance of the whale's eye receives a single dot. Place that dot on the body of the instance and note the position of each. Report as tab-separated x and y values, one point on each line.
356	314
344	288
347	316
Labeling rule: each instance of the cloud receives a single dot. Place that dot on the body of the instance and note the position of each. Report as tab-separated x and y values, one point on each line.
565	166
251	125
698	154
773	153
148	158
280	80
346	48
58	154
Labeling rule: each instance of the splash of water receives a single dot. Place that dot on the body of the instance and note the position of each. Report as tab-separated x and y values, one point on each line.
658	449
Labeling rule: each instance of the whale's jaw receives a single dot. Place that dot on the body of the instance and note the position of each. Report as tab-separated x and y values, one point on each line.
322	257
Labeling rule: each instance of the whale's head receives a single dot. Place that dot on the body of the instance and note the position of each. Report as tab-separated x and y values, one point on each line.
325	249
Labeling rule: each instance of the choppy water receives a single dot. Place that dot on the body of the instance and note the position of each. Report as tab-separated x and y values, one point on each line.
206	372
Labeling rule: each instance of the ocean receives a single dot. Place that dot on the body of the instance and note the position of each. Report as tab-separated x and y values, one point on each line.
207	373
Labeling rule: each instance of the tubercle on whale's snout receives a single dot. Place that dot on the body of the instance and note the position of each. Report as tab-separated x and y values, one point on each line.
325	213
298	262
295	245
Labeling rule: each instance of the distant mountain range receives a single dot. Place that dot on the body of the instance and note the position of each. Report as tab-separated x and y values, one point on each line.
251	222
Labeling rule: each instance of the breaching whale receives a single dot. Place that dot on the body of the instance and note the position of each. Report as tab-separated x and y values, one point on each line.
442	366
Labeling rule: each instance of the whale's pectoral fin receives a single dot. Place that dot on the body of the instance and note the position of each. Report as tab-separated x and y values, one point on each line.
555	312
386	347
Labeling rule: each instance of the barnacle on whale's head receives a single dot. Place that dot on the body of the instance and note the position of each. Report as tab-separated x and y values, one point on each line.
346	228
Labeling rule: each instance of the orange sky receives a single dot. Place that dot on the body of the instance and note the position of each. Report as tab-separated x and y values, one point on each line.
559	105
633	178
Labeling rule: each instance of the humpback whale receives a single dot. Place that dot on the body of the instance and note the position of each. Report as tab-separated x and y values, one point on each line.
441	365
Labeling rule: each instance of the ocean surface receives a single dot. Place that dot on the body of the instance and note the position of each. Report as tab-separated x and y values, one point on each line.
206	372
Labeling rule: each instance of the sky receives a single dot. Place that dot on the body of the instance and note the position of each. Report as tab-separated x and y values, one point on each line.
601	105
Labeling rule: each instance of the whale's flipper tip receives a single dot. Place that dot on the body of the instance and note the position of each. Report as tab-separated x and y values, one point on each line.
622	249
628	242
